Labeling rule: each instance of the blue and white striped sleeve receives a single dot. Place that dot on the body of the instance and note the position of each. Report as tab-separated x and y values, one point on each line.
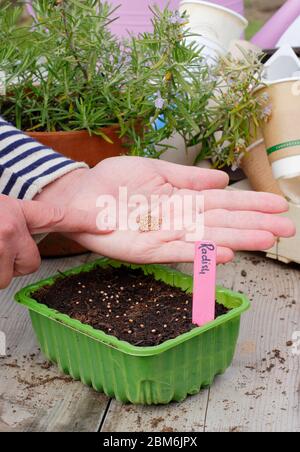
26	166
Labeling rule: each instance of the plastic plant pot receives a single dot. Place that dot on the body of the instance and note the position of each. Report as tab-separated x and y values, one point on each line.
140	375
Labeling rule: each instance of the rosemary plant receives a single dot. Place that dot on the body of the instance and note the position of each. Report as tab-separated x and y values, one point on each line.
66	71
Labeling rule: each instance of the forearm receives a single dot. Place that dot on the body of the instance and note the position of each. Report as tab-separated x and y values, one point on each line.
26	166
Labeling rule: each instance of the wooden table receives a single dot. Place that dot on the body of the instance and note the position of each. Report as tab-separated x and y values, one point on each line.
259	393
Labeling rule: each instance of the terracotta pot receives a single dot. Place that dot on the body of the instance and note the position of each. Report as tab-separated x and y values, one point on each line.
79	146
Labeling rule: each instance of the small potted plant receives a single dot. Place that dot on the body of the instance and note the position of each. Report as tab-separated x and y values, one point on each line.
126	330
74	87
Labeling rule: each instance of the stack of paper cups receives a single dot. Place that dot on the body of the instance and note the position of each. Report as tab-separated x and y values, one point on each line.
211	51
257	168
213	22
282	135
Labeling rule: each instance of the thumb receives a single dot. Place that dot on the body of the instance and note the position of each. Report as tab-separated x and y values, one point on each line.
191	177
43	217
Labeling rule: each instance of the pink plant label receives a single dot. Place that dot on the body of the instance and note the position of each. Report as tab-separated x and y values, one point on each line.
204	295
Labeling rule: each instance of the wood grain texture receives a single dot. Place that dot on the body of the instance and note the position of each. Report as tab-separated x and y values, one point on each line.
260	392
34	397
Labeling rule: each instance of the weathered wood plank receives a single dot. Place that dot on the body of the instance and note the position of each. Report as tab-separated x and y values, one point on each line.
34	397
253	395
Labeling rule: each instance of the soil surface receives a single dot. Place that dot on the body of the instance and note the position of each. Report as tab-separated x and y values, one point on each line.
124	303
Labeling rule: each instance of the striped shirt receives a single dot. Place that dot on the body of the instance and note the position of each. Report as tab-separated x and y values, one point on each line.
26	166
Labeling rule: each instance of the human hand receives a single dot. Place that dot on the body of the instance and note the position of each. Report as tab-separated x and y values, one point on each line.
19	254
234	220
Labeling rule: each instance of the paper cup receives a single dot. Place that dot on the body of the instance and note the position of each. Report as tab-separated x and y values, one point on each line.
282	134
210	50
257	168
237	47
214	22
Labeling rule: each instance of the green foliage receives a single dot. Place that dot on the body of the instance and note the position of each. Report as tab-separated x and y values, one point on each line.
66	71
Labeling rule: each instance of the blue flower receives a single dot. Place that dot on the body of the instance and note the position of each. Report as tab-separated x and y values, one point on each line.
159	101
176	19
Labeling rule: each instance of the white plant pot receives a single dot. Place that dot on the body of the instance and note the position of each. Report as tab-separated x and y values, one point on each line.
210	50
219	24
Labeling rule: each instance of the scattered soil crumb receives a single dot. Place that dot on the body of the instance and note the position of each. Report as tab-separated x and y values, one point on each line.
156	421
46	365
44	381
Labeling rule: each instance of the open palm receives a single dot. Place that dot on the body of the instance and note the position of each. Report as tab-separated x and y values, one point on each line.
234	220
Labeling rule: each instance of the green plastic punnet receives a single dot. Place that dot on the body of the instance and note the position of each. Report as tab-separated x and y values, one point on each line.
140	375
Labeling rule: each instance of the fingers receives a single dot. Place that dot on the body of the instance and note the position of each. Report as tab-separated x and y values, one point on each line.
42	217
28	259
239	239
244	200
181	252
191	177
6	266
278	226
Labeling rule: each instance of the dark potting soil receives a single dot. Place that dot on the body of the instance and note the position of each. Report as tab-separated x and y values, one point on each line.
124	303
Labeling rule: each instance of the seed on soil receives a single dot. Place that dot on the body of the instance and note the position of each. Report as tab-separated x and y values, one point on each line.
83	286
109	317
153	331
178	309
129	332
79	291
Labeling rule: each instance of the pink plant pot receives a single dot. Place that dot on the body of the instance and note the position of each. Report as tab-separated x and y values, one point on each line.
135	15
